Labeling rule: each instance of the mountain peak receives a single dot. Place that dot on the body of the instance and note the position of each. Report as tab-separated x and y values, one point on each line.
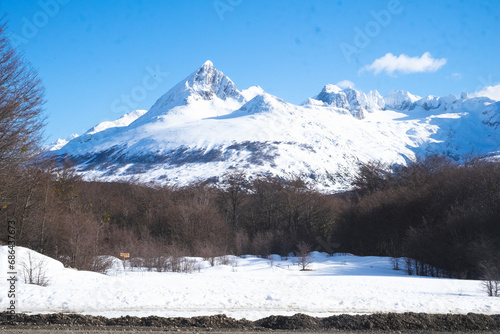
208	82
207	64
205	69
329	88
355	101
400	100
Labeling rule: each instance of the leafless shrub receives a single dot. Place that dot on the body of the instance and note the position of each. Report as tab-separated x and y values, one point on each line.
227	260
223	260
492	287
137	262
190	265
211	253
174	264
271	260
163	264
211	260
34	271
303	255
149	263
101	264
491	279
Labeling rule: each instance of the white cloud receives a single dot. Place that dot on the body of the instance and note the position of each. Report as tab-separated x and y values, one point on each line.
345	84
404	64
493	92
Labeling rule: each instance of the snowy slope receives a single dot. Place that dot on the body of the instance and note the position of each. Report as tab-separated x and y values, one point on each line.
251	288
60	143
125	120
204	127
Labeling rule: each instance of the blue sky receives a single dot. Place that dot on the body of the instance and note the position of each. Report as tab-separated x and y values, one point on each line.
91	53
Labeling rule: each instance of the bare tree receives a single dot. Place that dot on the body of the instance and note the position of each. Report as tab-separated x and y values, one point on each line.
21	101
234	194
491	278
21	123
34	271
492	287
303	255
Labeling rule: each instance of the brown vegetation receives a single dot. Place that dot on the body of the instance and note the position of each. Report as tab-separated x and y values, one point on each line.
436	213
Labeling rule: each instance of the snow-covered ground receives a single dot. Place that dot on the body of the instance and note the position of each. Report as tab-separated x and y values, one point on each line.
252	288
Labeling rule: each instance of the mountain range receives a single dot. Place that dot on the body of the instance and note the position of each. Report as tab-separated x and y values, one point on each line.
204	127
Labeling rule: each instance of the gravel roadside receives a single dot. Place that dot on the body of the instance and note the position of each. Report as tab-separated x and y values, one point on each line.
134	330
299	323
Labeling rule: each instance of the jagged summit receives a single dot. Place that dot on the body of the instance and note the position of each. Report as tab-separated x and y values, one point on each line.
329	89
400	100
207	82
349	99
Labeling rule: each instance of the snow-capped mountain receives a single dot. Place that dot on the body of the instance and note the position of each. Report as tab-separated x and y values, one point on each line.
205	127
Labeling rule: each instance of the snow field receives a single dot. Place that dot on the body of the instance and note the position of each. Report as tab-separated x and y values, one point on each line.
252	289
